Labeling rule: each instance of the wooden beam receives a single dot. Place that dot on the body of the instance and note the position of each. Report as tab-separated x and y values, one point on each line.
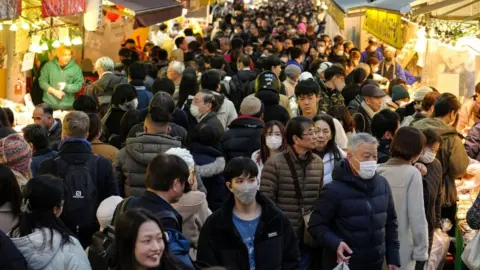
430	8
458	8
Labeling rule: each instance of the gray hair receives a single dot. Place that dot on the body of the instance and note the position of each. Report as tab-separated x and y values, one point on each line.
292	71
360	138
105	64
177	66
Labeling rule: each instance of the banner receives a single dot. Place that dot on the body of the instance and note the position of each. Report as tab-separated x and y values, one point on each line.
385	25
337	14
10	9
140	35
57	8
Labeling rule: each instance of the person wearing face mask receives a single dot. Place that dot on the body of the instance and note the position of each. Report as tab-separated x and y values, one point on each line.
384	125
406	184
300	170
40	236
272	142
248	223
326	147
322	50
292	72
389	68
371	51
432	182
452	153
424	99
357	192
137	76
371	104
335	82
337	55
204	108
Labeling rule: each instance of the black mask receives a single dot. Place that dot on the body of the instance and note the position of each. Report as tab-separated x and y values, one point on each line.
388	59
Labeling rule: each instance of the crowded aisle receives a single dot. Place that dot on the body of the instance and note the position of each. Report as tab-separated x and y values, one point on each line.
238	135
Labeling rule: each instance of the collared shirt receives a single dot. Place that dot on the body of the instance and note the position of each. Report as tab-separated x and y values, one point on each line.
53	126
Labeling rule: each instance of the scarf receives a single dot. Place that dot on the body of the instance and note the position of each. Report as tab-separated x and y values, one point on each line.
369	111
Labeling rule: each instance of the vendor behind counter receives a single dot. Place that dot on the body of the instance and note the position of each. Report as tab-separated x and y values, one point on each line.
60	79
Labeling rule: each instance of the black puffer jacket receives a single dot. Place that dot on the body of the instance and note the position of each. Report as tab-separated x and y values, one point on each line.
242	138
241	82
276	246
432	195
360	213
273	109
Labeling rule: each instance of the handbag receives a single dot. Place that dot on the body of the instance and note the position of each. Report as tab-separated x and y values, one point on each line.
307	237
342	266
471	253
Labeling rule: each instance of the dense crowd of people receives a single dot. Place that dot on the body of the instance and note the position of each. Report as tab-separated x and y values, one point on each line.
260	143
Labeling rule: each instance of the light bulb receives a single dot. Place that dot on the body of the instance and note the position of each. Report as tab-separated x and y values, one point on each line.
13	27
56	44
25	26
67	42
1	27
44	47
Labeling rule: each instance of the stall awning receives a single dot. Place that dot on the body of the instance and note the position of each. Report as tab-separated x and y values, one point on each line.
150	12
347	4
400	6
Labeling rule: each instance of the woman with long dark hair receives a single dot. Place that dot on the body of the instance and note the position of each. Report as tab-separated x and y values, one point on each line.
326	147
141	243
342	114
41	237
272	142
187	90
10	199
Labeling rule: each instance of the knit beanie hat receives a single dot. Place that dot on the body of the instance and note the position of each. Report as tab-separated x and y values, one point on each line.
106	210
305	76
399	92
421	92
183	154
16	153
252	106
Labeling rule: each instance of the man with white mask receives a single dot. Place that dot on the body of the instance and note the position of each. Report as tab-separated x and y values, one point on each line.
346	219
249	223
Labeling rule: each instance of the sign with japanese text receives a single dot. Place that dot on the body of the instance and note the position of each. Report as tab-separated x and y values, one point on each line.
337	14
385	25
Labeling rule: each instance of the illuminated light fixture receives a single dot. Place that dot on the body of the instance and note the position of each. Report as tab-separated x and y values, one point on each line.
44	47
13	27
25	26
56	44
1	27
67	42
76	41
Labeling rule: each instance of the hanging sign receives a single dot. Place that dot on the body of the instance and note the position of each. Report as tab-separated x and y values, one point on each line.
385	25
337	14
57	8
92	18
10	9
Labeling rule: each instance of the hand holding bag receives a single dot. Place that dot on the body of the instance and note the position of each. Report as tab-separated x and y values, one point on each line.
307	237
342	266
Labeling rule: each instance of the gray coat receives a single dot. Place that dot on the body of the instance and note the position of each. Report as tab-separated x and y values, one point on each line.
70	256
133	159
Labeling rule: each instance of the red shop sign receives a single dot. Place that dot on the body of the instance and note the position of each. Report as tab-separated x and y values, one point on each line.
62	7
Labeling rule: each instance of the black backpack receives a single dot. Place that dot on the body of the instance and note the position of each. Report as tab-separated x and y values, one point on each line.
79	209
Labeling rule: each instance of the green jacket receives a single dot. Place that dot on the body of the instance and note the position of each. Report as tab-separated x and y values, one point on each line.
329	98
52	74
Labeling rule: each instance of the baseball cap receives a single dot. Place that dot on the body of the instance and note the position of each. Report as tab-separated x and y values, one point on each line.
371	90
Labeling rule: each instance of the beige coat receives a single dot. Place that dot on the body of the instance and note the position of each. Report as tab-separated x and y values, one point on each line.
407	191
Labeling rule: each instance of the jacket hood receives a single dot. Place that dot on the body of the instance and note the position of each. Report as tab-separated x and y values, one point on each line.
246	122
31	248
268	97
69	65
436	124
246	75
145	147
342	172
211	169
190	203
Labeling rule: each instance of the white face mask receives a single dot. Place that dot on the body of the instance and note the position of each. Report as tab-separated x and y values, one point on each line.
284	59
273	142
339	85
195	111
375	70
321	49
340	53
428	156
129	106
245	192
367	169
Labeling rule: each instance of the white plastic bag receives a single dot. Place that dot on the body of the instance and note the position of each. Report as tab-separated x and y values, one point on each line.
440	245
341	266
471	254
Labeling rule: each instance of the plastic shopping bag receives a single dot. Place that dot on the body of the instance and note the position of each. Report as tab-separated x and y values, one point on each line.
440	245
342	266
471	254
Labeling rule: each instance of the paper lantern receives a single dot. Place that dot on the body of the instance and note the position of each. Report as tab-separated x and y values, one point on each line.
112	16
93	15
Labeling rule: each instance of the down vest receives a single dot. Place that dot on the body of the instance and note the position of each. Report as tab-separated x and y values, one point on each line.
133	159
360	213
278	185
